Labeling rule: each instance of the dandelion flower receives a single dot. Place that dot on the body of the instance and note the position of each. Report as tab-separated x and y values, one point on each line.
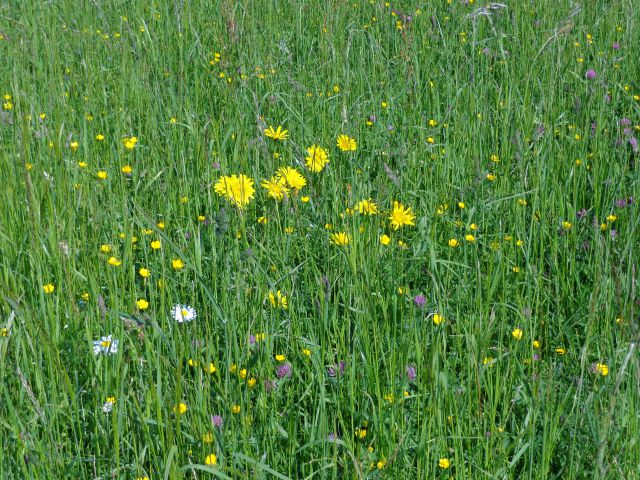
276	187
401	216
346	143
278	300
237	189
292	178
340	238
183	313
102	175
276	134
106	346
317	158
367	207
144	272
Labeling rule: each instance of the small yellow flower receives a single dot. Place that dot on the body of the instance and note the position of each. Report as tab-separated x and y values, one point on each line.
491	177
602	369
339	238
142	304
611	218
100	137
235	409
83	164
385	239
469	238
517	333
114	261
127	169
567	225
180	408
48	288
280	358
144	272
346	143
278	300
102	175
74	146
317	158
207	437
306	352
177	264
444	463
437	318
453	242
156	244
85	296
519	243
494	158
361	433
212	368
211	459
276	134
536	344
561	351
381	464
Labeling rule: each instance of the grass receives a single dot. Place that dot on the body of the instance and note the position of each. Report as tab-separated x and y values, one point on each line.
414	359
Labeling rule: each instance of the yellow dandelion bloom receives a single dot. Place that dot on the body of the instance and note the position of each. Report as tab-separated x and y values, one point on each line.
602	369
278	300
276	187
385	239
317	158
237	189
114	261
346	143
367	207
292	178
276	134
401	216
340	238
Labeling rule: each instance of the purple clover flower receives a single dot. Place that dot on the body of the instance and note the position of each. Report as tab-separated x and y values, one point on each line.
284	370
591	74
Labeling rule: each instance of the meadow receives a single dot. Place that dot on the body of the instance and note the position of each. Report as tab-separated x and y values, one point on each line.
323	239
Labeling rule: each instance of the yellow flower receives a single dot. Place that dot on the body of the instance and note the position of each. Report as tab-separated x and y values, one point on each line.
346	143
560	351
74	146
438	319
238	189
235	409
519	243
85	296
291	177
317	158
278	134
144	272
567	225
339	238
99	137
207	437
102	175
401	216
517	333
130	142
48	288
306	352
180	408
127	169
276	187
156	244
278	300
142	304
367	207
381	464
461	205
212	368
361	433
611	218
453	242
444	463
494	158
536	344
469	238
211	459
385	239
114	261
177	264
602	369
491	177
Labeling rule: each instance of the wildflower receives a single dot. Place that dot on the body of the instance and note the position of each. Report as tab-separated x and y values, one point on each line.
108	405
469	238
611	218
276	134
156	244
142	304
127	169
211	459
590	75
102	175
74	146
177	264
207	437
494	158
536	344
401	216
438	319
361	433
346	143
183	313
114	261
601	369
560	351
235	409
283	371
444	463
180	408
567	225
517	333
367	207
276	187
381	464
340	238
48	288
238	189
453	242
491	177
106	345
291	177
212	368
306	352
278	300
411	372
385	239
419	301
130	142
317	158
217	421
144	272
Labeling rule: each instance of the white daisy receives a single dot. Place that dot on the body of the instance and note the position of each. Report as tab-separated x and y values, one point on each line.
106	346
107	407
183	313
